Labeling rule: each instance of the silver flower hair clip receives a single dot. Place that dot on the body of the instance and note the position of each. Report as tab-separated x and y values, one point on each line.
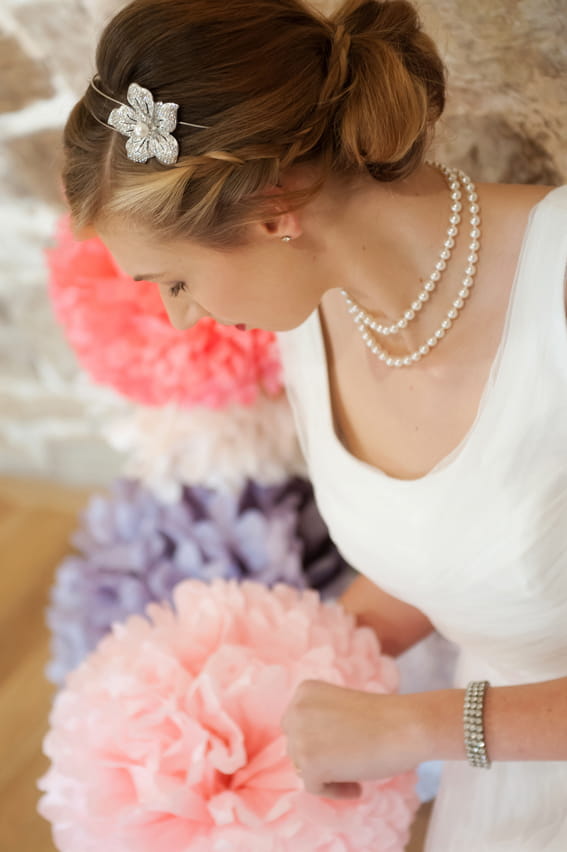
148	124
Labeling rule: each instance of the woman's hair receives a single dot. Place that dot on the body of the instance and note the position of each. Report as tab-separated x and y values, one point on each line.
278	83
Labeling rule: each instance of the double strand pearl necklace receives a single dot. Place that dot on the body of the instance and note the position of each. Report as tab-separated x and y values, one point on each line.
369	326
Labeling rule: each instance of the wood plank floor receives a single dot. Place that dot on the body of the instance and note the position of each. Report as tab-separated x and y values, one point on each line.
36	521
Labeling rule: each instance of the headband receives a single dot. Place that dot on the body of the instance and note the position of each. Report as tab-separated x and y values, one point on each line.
148	124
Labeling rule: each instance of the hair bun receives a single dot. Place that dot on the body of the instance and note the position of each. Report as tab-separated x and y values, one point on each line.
389	87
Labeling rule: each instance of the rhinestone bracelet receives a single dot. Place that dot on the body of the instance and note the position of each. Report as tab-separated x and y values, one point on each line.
473	722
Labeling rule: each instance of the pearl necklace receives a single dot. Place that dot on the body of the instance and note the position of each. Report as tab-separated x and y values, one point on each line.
367	325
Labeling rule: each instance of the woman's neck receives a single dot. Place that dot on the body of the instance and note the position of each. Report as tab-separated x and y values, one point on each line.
386	242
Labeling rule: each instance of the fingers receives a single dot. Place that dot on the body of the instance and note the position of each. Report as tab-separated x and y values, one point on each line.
332	789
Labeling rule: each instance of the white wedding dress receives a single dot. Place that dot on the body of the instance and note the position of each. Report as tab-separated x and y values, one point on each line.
479	544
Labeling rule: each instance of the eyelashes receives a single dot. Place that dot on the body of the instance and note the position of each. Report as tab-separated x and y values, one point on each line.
176	289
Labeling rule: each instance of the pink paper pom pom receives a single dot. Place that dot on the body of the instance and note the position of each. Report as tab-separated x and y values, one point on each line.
123	338
168	736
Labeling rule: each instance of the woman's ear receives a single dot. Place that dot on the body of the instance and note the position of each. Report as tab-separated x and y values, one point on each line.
286	224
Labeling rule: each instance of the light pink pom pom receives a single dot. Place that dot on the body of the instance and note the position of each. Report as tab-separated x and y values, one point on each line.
123	338
168	738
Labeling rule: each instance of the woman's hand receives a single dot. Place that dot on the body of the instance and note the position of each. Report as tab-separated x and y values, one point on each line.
337	737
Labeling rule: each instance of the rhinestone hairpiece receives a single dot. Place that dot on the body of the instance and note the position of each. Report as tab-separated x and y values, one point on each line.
148	124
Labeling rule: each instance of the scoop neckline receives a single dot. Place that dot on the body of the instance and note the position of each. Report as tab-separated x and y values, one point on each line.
449	462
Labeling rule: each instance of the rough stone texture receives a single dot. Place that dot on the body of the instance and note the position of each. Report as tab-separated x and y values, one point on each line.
62	32
34	163
506	120
23	79
506	114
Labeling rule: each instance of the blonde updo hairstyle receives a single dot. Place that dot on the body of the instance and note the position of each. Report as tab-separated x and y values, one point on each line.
279	84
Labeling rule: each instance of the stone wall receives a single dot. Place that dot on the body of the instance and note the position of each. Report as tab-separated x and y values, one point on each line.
49	410
506	121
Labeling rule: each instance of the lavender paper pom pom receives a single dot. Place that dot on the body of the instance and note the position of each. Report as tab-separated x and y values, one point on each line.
134	549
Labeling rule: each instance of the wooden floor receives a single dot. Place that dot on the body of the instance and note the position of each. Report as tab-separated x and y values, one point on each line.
36	520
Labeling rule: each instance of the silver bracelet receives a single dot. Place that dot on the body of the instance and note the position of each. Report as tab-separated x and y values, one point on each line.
475	744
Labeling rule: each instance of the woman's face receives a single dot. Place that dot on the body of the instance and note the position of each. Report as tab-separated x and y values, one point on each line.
268	284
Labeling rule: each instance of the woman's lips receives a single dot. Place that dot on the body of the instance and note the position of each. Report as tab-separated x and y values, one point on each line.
239	325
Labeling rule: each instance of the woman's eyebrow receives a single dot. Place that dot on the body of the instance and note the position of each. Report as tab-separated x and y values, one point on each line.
149	276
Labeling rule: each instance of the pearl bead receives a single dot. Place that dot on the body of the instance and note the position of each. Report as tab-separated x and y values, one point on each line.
407	360
449	243
456	194
446	324
452	231
429	286
375	349
424	296
452	314
473	257
402	323
468	281
464	293
456	207
458	303
141	129
409	315
416	305
389	361
475	220
382	356
435	276
432	342
386	330
455	219
475	233
474	208
416	356
440	265
473	196
470	269
440	333
423	350
474	245
445	254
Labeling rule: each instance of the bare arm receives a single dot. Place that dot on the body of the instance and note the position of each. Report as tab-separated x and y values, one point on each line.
397	625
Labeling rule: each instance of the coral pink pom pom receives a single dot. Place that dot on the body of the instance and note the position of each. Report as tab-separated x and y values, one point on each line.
168	736
123	338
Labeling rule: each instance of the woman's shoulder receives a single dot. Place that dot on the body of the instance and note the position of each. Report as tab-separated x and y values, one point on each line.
521	192
513	202
506	211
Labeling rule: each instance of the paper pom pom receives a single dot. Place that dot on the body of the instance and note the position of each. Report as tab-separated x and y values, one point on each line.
136	549
169	448
168	737
121	335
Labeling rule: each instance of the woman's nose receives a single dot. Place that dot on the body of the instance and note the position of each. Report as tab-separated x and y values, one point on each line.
185	315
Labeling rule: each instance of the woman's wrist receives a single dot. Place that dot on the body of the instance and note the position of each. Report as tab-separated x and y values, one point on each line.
437	724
